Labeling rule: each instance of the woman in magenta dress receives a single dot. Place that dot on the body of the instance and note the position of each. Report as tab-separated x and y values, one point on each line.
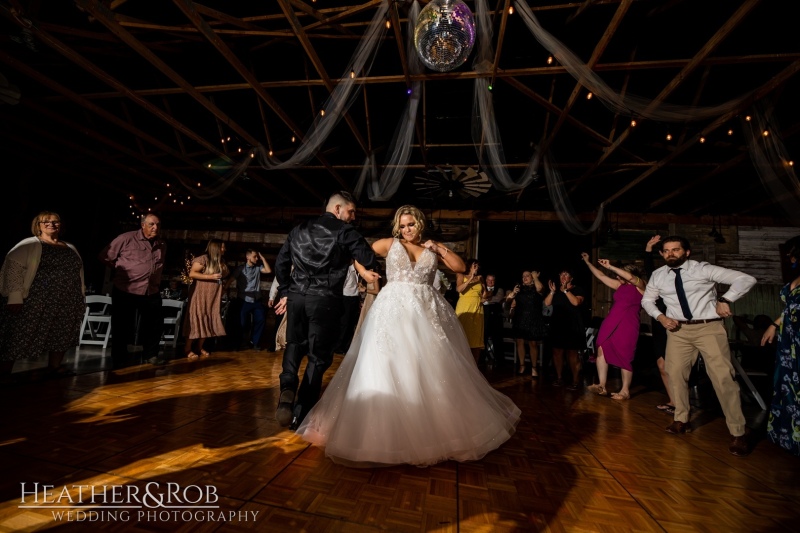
616	340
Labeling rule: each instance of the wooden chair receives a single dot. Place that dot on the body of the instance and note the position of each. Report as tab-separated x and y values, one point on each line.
173	312
96	327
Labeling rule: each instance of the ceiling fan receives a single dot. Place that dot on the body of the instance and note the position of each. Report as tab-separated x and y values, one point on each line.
449	181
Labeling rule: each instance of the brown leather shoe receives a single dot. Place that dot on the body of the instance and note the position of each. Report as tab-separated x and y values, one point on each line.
740	446
676	428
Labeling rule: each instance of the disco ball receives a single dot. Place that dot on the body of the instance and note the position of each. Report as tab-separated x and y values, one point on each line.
444	34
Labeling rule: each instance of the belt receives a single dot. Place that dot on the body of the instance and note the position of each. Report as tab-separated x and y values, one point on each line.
702	321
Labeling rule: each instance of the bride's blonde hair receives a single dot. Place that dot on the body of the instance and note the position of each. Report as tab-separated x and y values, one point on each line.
419	219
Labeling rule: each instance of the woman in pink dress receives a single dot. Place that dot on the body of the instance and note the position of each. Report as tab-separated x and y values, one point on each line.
616	340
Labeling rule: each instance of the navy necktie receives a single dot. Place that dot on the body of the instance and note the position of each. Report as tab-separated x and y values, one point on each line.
687	312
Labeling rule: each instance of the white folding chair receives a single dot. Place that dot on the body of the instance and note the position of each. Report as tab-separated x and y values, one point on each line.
96	327
173	311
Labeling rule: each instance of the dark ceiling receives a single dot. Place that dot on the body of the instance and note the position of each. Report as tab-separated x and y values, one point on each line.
121	97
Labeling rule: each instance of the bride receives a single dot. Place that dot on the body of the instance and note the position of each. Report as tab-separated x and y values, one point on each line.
408	391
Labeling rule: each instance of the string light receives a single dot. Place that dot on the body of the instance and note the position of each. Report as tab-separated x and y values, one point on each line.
589	95
633	123
199	184
240	150
292	138
252	155
765	133
322	112
730	132
352	74
229	138
209	165
510	10
791	163
549	60
490	87
270	153
669	136
747	118
702	139
408	91
388	24
223	141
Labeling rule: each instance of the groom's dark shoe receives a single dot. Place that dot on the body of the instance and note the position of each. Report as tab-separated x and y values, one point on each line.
285	406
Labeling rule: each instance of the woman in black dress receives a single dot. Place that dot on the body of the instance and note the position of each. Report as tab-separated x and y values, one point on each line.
527	319
42	304
567	333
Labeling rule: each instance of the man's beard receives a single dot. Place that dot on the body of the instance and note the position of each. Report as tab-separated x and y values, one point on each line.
676	261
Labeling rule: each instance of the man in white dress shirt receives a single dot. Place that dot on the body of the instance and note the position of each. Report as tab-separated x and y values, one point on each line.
694	322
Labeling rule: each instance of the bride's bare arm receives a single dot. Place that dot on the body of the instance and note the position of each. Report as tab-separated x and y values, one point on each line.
450	259
381	247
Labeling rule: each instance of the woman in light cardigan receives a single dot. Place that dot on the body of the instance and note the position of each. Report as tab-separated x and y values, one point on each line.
42	289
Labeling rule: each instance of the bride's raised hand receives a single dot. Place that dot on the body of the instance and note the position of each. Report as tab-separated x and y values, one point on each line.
432	246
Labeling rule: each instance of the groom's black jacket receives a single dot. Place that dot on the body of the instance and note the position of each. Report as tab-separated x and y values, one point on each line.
320	251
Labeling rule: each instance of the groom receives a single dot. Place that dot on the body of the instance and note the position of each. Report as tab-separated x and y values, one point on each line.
320	250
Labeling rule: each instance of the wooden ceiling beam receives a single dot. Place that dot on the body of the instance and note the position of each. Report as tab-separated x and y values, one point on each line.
321	19
96	136
714	41
194	17
785	134
311	53
76	98
78	148
601	46
756	95
401	50
440	76
552	108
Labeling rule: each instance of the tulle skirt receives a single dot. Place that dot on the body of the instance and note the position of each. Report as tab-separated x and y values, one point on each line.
408	391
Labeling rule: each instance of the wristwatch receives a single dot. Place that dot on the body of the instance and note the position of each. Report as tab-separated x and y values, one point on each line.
724	300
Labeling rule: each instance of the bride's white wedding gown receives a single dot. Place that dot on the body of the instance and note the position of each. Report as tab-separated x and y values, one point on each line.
408	391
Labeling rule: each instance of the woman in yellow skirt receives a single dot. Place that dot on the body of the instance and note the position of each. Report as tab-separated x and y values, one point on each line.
469	310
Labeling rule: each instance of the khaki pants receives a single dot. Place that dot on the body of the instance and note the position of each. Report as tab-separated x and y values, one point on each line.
711	340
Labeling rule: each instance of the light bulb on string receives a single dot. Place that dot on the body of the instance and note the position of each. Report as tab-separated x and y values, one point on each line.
293	138
702	139
229	138
490	87
510	10
352	74
252	155
765	133
730	132
549	60
222	140
633	123
240	150
199	184
388	24
791	163
669	136
270	153
589	95
322	112
747	118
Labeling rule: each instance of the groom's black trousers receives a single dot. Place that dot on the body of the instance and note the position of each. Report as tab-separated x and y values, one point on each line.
312	329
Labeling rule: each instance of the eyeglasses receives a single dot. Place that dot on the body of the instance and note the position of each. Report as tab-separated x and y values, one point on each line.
51	222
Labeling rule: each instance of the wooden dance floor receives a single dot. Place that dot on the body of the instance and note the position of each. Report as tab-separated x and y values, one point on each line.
194	446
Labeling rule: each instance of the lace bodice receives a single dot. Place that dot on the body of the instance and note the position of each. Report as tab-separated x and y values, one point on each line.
400	268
